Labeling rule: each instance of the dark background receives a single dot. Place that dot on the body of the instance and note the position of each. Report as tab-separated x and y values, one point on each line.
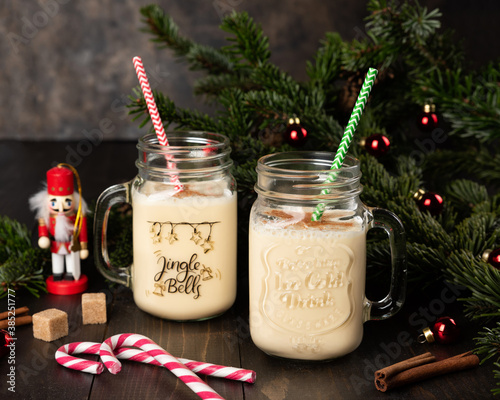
66	64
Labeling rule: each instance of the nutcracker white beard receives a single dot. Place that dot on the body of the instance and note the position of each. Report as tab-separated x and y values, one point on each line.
63	229
38	204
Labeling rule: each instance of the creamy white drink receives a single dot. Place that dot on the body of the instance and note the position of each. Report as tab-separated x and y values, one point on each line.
184	253
307	284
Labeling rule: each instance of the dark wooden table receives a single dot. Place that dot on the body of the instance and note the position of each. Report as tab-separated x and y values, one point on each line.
223	340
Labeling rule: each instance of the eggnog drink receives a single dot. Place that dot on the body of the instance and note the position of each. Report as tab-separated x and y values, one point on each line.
307	284
184	254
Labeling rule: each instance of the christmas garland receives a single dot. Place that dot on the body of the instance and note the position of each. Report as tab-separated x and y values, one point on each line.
438	174
21	265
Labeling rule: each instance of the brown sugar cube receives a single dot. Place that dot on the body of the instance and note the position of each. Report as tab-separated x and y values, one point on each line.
94	308
50	324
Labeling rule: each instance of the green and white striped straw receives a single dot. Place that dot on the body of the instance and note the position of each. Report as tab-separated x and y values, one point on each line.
347	138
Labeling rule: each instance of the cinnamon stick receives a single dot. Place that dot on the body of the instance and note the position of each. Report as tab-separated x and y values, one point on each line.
17	311
388	372
428	370
23	320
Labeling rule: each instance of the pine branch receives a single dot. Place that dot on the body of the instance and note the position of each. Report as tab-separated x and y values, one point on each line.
269	77
166	34
361	55
207	58
24	271
246	177
14	239
467	193
170	113
490	206
474	307
269	103
245	155
470	102
474	162
325	130
120	236
406	28
327	62
166	31
21	266
477	233
212	85
484	281
235	116
488	344
249	47
424	261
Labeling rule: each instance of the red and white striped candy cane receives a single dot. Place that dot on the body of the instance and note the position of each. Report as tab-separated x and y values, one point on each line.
218	371
163	357
155	116
64	357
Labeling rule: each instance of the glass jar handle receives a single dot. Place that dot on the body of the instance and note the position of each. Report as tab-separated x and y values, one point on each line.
113	195
392	303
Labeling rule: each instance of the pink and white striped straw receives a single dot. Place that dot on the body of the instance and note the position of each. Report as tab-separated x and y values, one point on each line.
64	357
163	357
155	115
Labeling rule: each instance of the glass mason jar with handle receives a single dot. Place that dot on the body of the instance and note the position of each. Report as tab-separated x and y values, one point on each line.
184	238
307	278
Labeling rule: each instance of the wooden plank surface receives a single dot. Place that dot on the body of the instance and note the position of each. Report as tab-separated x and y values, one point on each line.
223	340
38	376
200	341
351	377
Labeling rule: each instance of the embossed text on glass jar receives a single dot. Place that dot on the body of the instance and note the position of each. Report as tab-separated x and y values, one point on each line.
307	279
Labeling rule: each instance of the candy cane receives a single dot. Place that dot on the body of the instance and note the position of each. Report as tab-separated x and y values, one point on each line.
163	357
64	357
217	371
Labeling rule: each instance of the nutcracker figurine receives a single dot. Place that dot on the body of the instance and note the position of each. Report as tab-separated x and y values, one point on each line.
62	227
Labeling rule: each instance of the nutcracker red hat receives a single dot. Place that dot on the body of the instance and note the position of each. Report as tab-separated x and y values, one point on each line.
60	181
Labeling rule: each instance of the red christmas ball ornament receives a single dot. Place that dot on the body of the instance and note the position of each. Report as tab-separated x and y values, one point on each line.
5	340
429	201
492	257
428	120
377	145
295	134
445	331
